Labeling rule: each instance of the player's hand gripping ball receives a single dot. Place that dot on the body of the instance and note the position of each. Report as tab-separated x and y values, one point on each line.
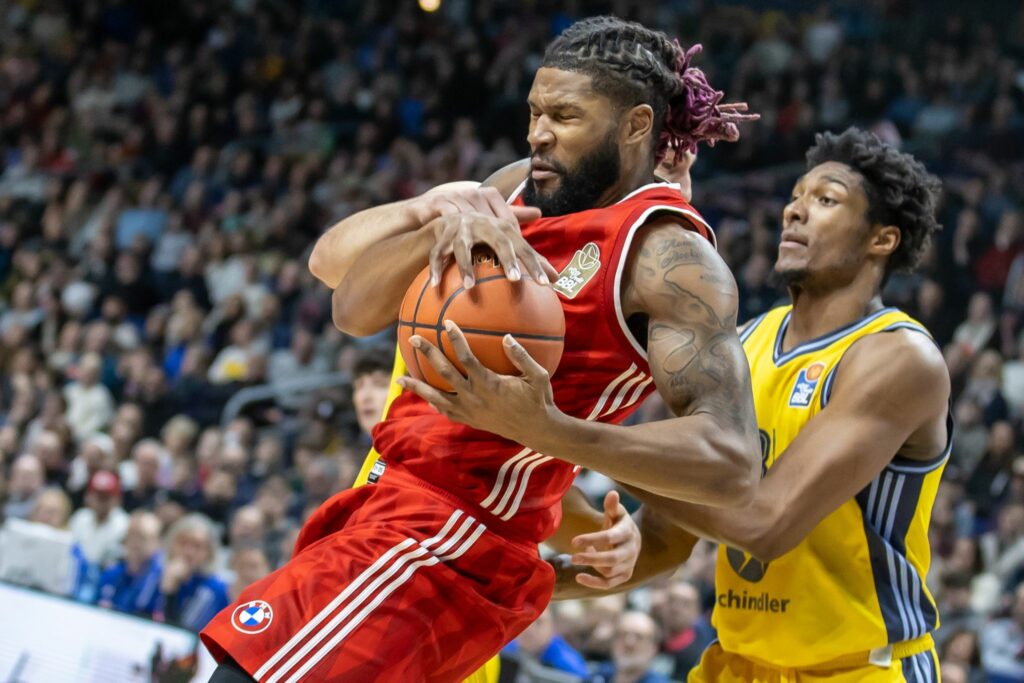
493	307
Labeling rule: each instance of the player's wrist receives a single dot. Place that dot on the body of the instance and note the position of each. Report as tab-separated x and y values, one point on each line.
421	211
550	432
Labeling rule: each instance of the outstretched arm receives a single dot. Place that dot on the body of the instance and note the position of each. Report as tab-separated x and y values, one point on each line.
874	412
708	454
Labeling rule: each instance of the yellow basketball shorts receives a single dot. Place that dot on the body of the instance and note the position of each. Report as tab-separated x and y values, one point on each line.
719	666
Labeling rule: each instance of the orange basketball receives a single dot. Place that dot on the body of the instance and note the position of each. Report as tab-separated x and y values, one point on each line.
492	308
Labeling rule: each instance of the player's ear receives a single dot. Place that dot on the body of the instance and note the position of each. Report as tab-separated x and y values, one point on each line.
639	121
885	240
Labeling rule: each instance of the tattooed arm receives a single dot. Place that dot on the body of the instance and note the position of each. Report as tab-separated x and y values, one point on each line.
708	454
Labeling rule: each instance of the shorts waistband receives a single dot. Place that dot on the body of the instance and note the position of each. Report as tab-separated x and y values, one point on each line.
894	652
393	475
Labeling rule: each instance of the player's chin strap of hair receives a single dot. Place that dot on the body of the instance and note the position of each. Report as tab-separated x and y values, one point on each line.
695	115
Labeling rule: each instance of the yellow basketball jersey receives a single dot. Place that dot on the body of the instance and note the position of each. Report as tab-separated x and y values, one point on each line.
856	583
490	671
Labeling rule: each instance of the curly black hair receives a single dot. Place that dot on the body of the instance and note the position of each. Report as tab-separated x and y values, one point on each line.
632	64
900	190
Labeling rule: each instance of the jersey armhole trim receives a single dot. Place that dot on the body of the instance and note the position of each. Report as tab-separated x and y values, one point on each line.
623	255
899	463
751	326
516	192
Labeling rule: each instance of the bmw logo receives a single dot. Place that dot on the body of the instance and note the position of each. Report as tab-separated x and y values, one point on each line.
252	617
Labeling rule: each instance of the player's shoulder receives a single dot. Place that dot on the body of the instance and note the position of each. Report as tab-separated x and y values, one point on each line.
898	364
667	241
667	261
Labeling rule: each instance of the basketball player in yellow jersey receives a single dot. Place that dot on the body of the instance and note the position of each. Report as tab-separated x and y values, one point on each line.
821	578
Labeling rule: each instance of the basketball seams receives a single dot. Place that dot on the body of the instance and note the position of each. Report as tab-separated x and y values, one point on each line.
527	297
448	302
486	333
415	313
544	342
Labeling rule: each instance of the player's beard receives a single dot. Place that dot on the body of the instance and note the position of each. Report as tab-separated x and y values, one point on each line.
821	279
580	188
794	277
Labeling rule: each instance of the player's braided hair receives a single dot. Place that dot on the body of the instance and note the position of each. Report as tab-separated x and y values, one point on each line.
899	188
634	65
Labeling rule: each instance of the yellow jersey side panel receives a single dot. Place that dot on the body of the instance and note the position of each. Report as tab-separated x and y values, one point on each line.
398	370
854	583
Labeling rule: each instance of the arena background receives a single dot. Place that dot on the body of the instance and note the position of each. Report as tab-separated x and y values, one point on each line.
165	168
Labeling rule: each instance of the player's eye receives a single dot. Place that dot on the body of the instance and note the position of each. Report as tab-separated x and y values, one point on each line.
827	201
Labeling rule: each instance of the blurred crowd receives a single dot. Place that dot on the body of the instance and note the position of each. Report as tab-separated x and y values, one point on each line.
166	167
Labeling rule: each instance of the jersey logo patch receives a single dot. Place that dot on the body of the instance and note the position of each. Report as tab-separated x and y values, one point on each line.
806	383
252	617
581	269
376	471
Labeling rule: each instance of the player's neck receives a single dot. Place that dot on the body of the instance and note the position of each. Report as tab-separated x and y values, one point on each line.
817	313
626	184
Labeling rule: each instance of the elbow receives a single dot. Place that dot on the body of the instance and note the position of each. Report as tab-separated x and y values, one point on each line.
319	267
349	319
767	546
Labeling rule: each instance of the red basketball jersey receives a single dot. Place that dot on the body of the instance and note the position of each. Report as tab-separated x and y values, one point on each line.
603	374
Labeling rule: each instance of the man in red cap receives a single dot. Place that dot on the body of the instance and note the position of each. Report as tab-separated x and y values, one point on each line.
100	526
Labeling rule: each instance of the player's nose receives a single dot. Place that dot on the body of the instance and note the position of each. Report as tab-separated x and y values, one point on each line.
795	212
540	135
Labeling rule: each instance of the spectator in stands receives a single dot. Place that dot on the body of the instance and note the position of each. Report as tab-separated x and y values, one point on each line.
1013	378
132	585
983	387
144	471
192	594
633	651
1002	643
600	627
52	508
953	672
26	483
273	499
687	633
95	454
1002	549
248	565
297	362
989	483
955	607
90	404
247	530
547	647
961	649
371	378
100	526
49	447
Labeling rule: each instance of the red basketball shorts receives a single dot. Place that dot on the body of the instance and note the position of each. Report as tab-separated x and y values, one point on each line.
390	582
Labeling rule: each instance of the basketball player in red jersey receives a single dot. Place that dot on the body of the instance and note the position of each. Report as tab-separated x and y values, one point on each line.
427	572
